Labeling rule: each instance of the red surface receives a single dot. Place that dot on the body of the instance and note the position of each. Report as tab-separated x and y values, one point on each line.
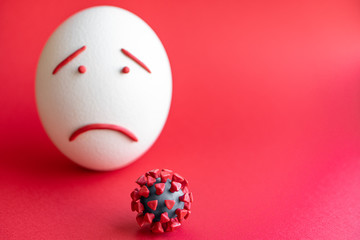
264	123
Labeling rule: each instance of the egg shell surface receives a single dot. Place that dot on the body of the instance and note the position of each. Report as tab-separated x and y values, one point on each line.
103	87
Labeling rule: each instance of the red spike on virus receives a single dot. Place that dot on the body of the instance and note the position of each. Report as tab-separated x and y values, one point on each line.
165	176
157	228
152	204
155	173
185	198
141	180
174	224
160	187
175	186
140	219
163	200
144	191
149	217
188	214
170	203
181	213
137	206
185	183
187	206
164	217
135	195
150	181
177	178
185	189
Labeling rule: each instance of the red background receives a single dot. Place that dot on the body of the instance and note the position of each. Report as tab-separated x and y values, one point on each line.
265	124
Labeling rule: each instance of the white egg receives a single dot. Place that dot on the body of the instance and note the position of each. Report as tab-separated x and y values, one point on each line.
103	87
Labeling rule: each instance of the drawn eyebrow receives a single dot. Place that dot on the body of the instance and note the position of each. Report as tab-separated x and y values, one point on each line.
68	59
135	59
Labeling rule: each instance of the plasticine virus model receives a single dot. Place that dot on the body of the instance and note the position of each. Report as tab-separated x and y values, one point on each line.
163	200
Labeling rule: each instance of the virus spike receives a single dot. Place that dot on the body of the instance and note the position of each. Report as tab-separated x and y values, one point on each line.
175	224
185	198
155	173
181	213
187	206
185	182
152	204
164	217
165	176
175	186
169	204
135	195
157	228
168	227
185	189
167	170
133	206
141	180
144	191
187	215
150	181
149	217
191	197
140	219
177	178
138	206
160	187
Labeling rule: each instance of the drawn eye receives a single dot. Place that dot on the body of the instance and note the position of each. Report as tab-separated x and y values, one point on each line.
82	69
68	59
125	69
135	59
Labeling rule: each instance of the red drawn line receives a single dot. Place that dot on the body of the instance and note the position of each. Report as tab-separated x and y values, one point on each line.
68	59
127	53
105	126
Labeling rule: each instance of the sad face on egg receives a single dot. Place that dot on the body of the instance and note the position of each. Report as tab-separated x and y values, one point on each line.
97	98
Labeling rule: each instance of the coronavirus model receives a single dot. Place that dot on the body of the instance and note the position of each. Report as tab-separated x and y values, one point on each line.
163	200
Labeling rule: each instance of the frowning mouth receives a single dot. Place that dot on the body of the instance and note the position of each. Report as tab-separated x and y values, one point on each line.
103	126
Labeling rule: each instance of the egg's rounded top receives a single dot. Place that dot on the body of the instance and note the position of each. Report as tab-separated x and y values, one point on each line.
103	87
